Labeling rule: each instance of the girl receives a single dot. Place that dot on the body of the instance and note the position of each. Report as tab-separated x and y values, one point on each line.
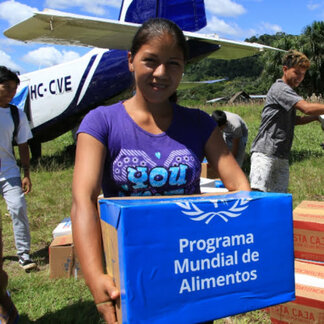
146	145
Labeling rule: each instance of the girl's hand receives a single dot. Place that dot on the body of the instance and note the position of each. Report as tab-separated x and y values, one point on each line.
105	295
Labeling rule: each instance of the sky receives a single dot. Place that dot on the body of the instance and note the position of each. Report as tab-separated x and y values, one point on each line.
232	19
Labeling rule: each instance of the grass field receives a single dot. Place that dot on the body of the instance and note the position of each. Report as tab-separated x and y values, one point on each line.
43	300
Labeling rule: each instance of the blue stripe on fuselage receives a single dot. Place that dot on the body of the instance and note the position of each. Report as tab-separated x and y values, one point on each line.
111	77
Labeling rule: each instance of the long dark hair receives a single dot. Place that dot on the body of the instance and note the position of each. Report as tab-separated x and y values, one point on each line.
157	27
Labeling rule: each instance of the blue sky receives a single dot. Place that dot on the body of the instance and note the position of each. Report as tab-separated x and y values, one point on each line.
233	19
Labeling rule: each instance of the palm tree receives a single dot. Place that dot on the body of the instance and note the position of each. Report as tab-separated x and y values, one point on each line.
272	67
312	45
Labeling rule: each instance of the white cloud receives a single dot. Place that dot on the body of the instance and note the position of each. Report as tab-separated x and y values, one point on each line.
225	8
263	28
218	26
7	61
48	56
13	11
270	28
96	7
223	29
8	42
311	5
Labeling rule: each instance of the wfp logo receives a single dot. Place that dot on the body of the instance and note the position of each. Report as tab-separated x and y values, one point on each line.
197	214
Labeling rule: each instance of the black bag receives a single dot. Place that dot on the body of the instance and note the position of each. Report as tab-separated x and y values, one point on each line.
15	117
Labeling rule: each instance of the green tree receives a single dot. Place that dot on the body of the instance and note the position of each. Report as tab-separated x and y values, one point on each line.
312	45
257	73
272	60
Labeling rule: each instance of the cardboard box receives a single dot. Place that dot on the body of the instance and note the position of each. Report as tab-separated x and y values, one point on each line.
207	171
63	262
197	258
309	230
63	228
308	308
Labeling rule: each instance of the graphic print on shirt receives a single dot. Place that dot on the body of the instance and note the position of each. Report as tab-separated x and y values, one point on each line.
138	174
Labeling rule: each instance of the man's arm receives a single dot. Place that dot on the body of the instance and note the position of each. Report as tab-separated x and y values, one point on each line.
307	108
24	159
302	120
312	110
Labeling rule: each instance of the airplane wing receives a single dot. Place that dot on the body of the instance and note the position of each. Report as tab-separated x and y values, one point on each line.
55	27
191	84
229	49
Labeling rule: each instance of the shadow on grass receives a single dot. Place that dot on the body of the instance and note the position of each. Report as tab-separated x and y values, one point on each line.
41	258
82	312
298	156
61	160
10	258
41	255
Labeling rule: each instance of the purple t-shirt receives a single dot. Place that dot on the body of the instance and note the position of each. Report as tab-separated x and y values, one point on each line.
139	163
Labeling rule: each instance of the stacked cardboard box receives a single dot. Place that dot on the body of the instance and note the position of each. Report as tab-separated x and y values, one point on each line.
309	268
309	230
191	259
308	308
63	261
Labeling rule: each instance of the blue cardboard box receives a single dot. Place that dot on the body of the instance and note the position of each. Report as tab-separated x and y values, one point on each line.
190	259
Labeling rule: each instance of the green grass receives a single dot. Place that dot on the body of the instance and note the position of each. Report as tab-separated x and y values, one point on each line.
38	298
307	156
43	300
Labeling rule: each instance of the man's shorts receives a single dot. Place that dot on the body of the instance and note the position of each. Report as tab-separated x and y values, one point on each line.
269	173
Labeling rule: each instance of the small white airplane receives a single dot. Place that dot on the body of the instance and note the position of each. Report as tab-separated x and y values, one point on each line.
56	98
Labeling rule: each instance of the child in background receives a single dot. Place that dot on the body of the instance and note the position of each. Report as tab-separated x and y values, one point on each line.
271	147
235	133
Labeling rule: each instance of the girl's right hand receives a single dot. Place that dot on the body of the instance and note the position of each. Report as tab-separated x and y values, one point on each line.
105	295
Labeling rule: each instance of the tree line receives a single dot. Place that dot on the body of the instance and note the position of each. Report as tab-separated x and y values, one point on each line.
255	74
